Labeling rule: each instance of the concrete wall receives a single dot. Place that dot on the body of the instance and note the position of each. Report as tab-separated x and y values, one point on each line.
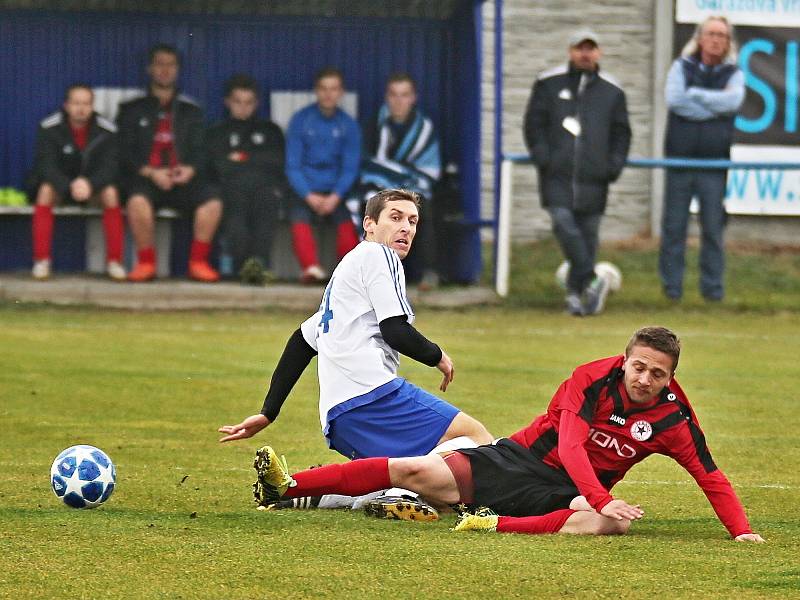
636	41
535	39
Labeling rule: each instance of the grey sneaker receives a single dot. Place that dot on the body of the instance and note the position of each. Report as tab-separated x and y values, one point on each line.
595	296
574	305
429	281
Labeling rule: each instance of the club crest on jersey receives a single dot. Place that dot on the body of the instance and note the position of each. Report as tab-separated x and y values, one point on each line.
258	138
671	397
68	149
641	431
617	419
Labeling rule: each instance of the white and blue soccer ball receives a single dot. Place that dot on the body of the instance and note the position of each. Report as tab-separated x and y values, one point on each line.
83	476
603	269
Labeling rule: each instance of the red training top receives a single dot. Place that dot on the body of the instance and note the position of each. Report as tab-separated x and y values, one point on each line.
594	432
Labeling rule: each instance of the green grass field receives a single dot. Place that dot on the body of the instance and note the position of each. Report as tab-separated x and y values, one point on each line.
152	388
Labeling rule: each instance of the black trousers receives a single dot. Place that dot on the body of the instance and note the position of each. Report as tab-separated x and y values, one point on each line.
251	210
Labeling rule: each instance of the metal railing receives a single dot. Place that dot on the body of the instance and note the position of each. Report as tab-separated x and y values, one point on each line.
503	217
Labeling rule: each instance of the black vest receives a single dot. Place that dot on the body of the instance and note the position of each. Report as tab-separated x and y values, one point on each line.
701	139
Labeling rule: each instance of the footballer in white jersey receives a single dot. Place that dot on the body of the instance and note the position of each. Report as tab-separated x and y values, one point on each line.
362	326
355	364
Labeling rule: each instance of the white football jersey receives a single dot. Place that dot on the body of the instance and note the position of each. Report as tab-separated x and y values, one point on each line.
368	286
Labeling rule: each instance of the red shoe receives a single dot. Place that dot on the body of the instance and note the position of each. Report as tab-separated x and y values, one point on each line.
142	272
200	270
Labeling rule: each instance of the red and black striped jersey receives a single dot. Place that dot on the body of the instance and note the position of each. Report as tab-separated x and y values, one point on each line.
594	432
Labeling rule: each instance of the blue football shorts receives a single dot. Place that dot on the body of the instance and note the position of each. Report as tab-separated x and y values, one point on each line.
405	422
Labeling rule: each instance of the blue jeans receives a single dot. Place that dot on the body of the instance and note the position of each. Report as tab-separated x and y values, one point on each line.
577	234
681	185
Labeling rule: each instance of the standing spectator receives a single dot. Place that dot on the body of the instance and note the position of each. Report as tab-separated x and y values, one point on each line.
162	159
704	90
247	156
404	153
76	161
323	150
577	132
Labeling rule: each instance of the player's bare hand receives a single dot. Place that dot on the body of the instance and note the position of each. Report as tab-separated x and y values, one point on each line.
80	189
619	509
162	178
247	428
448	370
750	537
182	174
315	202
329	204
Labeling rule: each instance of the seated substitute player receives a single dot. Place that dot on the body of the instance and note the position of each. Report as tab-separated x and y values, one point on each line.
323	149
404	153
362	324
76	161
247	156
556	474
162	157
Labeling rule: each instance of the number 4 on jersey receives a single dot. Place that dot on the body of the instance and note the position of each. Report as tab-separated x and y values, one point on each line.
327	313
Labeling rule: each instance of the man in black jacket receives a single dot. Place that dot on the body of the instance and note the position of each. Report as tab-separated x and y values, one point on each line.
76	162
247	158
163	162
578	135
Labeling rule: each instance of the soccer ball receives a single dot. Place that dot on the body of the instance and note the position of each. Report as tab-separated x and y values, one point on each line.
611	272
604	269
83	476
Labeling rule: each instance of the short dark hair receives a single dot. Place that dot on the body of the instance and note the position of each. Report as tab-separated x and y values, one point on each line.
326	72
240	81
657	338
377	203
77	86
401	77
163	49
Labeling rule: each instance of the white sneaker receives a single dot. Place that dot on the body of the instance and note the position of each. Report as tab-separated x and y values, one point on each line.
313	274
116	271
41	269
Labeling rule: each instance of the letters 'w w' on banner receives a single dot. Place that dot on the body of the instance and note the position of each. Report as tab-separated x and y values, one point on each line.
768	33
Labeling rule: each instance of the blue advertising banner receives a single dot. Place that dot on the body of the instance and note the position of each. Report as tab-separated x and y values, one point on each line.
768	34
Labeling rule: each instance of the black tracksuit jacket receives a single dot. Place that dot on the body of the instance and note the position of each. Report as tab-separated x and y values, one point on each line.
59	161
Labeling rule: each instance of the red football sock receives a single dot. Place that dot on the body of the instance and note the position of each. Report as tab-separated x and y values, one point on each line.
355	478
346	238
42	225
549	523
305	247
114	230
200	251
147	255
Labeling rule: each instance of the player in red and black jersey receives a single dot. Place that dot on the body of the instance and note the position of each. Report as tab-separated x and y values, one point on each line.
556	474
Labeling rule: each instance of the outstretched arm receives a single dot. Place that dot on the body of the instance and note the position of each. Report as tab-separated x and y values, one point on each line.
294	360
688	447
